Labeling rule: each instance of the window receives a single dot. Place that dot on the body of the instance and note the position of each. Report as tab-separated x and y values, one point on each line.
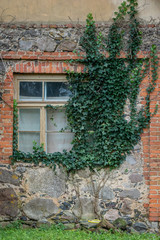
36	122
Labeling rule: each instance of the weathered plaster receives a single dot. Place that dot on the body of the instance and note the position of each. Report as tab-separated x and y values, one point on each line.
53	11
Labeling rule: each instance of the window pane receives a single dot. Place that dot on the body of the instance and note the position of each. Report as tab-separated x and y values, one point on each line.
30	91
57	91
26	141
29	120
56	120
57	142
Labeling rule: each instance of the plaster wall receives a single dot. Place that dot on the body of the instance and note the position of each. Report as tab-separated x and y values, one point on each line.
59	11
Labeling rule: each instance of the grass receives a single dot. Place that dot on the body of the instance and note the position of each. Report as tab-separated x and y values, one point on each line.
58	233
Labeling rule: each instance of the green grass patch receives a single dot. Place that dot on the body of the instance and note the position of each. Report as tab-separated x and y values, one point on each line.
58	233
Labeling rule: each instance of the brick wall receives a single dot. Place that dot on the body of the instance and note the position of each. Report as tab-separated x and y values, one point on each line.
154	157
6	118
54	62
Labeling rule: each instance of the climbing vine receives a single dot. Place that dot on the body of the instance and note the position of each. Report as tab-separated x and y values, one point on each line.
15	127
102	135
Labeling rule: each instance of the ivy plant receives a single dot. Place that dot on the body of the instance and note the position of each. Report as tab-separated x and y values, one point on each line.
102	135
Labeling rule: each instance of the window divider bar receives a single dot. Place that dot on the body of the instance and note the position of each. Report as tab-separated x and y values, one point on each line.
43	95
57	132
27	131
43	126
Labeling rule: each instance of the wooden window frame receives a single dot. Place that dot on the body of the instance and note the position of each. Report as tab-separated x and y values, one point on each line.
37	104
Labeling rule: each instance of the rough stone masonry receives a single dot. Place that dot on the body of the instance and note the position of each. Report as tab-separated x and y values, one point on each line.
37	194
55	38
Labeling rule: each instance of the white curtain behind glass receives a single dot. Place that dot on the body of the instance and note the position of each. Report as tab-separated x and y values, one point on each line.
29	128
57	140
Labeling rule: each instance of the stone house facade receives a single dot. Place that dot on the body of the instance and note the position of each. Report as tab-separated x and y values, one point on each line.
34	52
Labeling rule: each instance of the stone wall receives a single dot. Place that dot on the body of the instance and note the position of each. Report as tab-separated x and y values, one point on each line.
39	194
33	193
59	38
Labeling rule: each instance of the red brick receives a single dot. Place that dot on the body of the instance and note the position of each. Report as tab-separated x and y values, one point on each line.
153	201
153	192
153	219
154	197
155	187
146	205
153	214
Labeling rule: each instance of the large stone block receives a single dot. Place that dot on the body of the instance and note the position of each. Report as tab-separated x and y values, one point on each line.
45	180
67	45
8	177
135	178
126	207
8	203
46	44
40	208
25	44
84	208
112	215
106	193
131	193
7	194
131	160
120	223
140	227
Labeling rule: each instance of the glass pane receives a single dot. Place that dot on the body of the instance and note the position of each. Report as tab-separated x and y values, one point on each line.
57	142
30	91
29	120
57	91
26	141
56	120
